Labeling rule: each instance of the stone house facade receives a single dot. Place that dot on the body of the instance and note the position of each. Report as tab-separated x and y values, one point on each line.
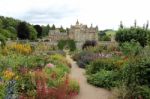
77	32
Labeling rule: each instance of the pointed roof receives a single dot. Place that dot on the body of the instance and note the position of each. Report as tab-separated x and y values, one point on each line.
77	23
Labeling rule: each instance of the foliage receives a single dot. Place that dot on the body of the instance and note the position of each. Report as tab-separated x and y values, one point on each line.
5	33
25	83
38	29
85	57
89	43
106	35
13	32
143	91
135	77
2	90
82	59
105	38
1	23
99	64
133	33
21	48
62	29
34	75
53	27
68	44
45	30
131	48
33	33
23	31
2	40
73	86
61	44
103	78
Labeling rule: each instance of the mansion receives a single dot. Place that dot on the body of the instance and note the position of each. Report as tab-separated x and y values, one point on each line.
77	32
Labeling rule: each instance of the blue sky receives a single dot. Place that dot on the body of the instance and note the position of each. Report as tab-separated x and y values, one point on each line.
104	13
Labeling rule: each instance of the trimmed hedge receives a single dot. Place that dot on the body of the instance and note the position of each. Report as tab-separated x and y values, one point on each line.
62	44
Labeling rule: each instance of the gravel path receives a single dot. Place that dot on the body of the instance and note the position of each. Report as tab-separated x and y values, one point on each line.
87	91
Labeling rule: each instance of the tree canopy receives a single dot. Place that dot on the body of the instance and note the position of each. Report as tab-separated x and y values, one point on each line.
23	31
38	29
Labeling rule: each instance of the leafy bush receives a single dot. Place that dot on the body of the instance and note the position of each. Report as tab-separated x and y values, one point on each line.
2	90
73	86
100	64
83	58
25	83
105	38
68	44
89	43
135	75
137	33
103	78
2	40
143	91
131	48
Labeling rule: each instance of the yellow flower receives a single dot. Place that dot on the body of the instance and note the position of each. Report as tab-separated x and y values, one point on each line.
8	74
16	77
21	48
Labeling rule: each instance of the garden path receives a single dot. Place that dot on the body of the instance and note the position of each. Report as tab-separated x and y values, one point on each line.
87	91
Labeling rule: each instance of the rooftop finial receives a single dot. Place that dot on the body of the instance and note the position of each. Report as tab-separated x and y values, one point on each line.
77	23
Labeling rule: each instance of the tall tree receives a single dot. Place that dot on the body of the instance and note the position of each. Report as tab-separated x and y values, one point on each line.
135	23
121	25
23	31
33	33
147	25
45	30
62	29
1	23
53	27
38	28
138	34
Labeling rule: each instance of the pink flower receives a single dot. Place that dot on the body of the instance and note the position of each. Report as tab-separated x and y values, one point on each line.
50	65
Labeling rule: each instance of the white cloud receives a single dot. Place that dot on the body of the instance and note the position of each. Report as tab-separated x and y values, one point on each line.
104	13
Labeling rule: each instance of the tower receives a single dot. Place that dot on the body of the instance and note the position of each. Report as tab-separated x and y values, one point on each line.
77	23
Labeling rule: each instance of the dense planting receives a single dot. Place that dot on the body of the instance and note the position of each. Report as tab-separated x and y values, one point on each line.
26	73
124	69
138	34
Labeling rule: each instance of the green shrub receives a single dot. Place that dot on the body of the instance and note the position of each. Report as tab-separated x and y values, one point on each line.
131	48
135	75
69	44
2	40
73	87
143	91
137	33
105	38
103	78
2	90
99	64
25	83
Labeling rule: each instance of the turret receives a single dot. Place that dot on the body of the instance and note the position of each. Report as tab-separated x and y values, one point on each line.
77	23
91	25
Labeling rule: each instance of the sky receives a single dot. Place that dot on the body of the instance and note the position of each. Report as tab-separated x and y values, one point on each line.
106	14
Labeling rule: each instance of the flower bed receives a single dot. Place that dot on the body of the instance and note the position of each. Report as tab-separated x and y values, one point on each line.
84	58
35	76
125	72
